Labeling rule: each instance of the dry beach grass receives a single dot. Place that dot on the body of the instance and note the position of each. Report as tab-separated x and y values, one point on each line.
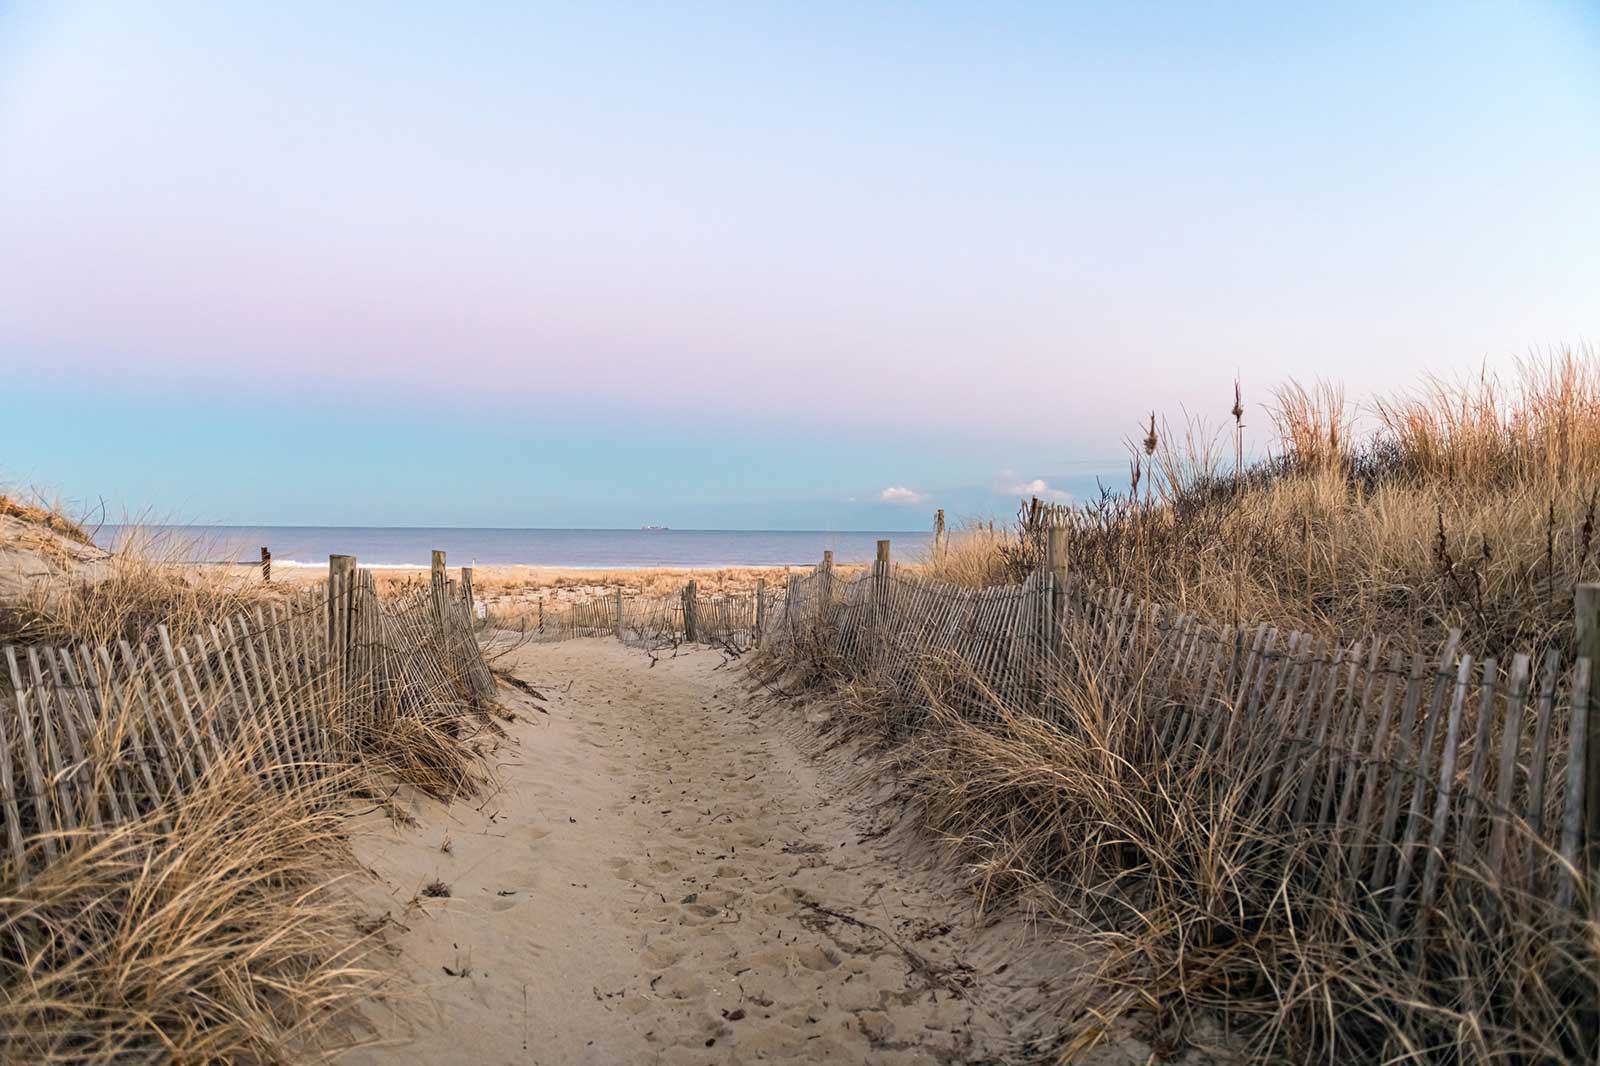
1470	506
1466	504
211	925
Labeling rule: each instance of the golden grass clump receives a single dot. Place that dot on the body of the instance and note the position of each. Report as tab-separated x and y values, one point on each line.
51	516
972	554
1159	872
217	937
208	926
135	594
1469	505
433	754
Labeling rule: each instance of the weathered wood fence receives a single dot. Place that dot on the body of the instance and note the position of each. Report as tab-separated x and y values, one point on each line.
692	617
1423	769
97	736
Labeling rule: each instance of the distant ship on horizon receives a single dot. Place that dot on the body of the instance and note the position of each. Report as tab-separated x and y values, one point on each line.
652	529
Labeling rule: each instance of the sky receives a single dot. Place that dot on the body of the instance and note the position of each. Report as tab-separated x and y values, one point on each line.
750	265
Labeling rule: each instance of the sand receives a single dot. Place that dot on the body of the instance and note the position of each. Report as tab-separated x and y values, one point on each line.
31	555
510	587
665	875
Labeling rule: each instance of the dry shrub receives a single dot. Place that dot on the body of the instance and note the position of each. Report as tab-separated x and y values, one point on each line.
1193	906
218	937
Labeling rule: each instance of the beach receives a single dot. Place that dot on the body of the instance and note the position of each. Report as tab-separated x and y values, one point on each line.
510	589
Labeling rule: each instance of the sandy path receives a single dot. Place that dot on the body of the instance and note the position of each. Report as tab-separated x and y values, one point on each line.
665	877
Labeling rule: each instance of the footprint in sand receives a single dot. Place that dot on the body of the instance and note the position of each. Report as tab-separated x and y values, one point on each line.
817	957
662	953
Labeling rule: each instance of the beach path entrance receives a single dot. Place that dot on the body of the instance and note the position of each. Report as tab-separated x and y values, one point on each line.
664	875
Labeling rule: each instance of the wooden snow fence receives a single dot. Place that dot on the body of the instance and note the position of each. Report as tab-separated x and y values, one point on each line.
692	616
97	736
1422	771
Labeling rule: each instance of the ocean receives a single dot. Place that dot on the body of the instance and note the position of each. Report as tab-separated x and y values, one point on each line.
602	549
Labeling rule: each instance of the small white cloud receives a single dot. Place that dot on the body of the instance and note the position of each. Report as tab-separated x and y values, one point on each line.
1036	487
901	494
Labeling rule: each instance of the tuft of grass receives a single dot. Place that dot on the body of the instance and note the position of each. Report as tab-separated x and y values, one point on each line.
973	553
210	928
144	585
1470	505
150	939
51	516
1162	875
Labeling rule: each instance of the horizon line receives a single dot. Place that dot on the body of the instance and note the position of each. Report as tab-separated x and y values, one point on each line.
509	529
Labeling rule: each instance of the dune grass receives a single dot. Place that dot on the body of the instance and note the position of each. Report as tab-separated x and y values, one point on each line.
1191	908
51	515
212	927
210	932
1469	505
1466	504
139	590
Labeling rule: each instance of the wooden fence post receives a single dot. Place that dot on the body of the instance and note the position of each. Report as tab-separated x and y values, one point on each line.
266	565
1055	564
761	609
825	588
619	612
690	628
1586	608
438	578
880	582
938	531
466	593
341	594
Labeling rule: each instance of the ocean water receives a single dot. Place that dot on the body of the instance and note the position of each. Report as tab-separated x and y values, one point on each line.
611	549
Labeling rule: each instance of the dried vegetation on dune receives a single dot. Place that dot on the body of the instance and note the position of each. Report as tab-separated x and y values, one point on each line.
208	923
1467	504
1462	506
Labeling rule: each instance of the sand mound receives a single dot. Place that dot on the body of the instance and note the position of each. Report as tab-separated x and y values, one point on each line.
32	551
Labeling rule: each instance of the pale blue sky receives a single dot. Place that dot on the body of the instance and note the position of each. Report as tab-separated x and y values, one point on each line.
749	264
